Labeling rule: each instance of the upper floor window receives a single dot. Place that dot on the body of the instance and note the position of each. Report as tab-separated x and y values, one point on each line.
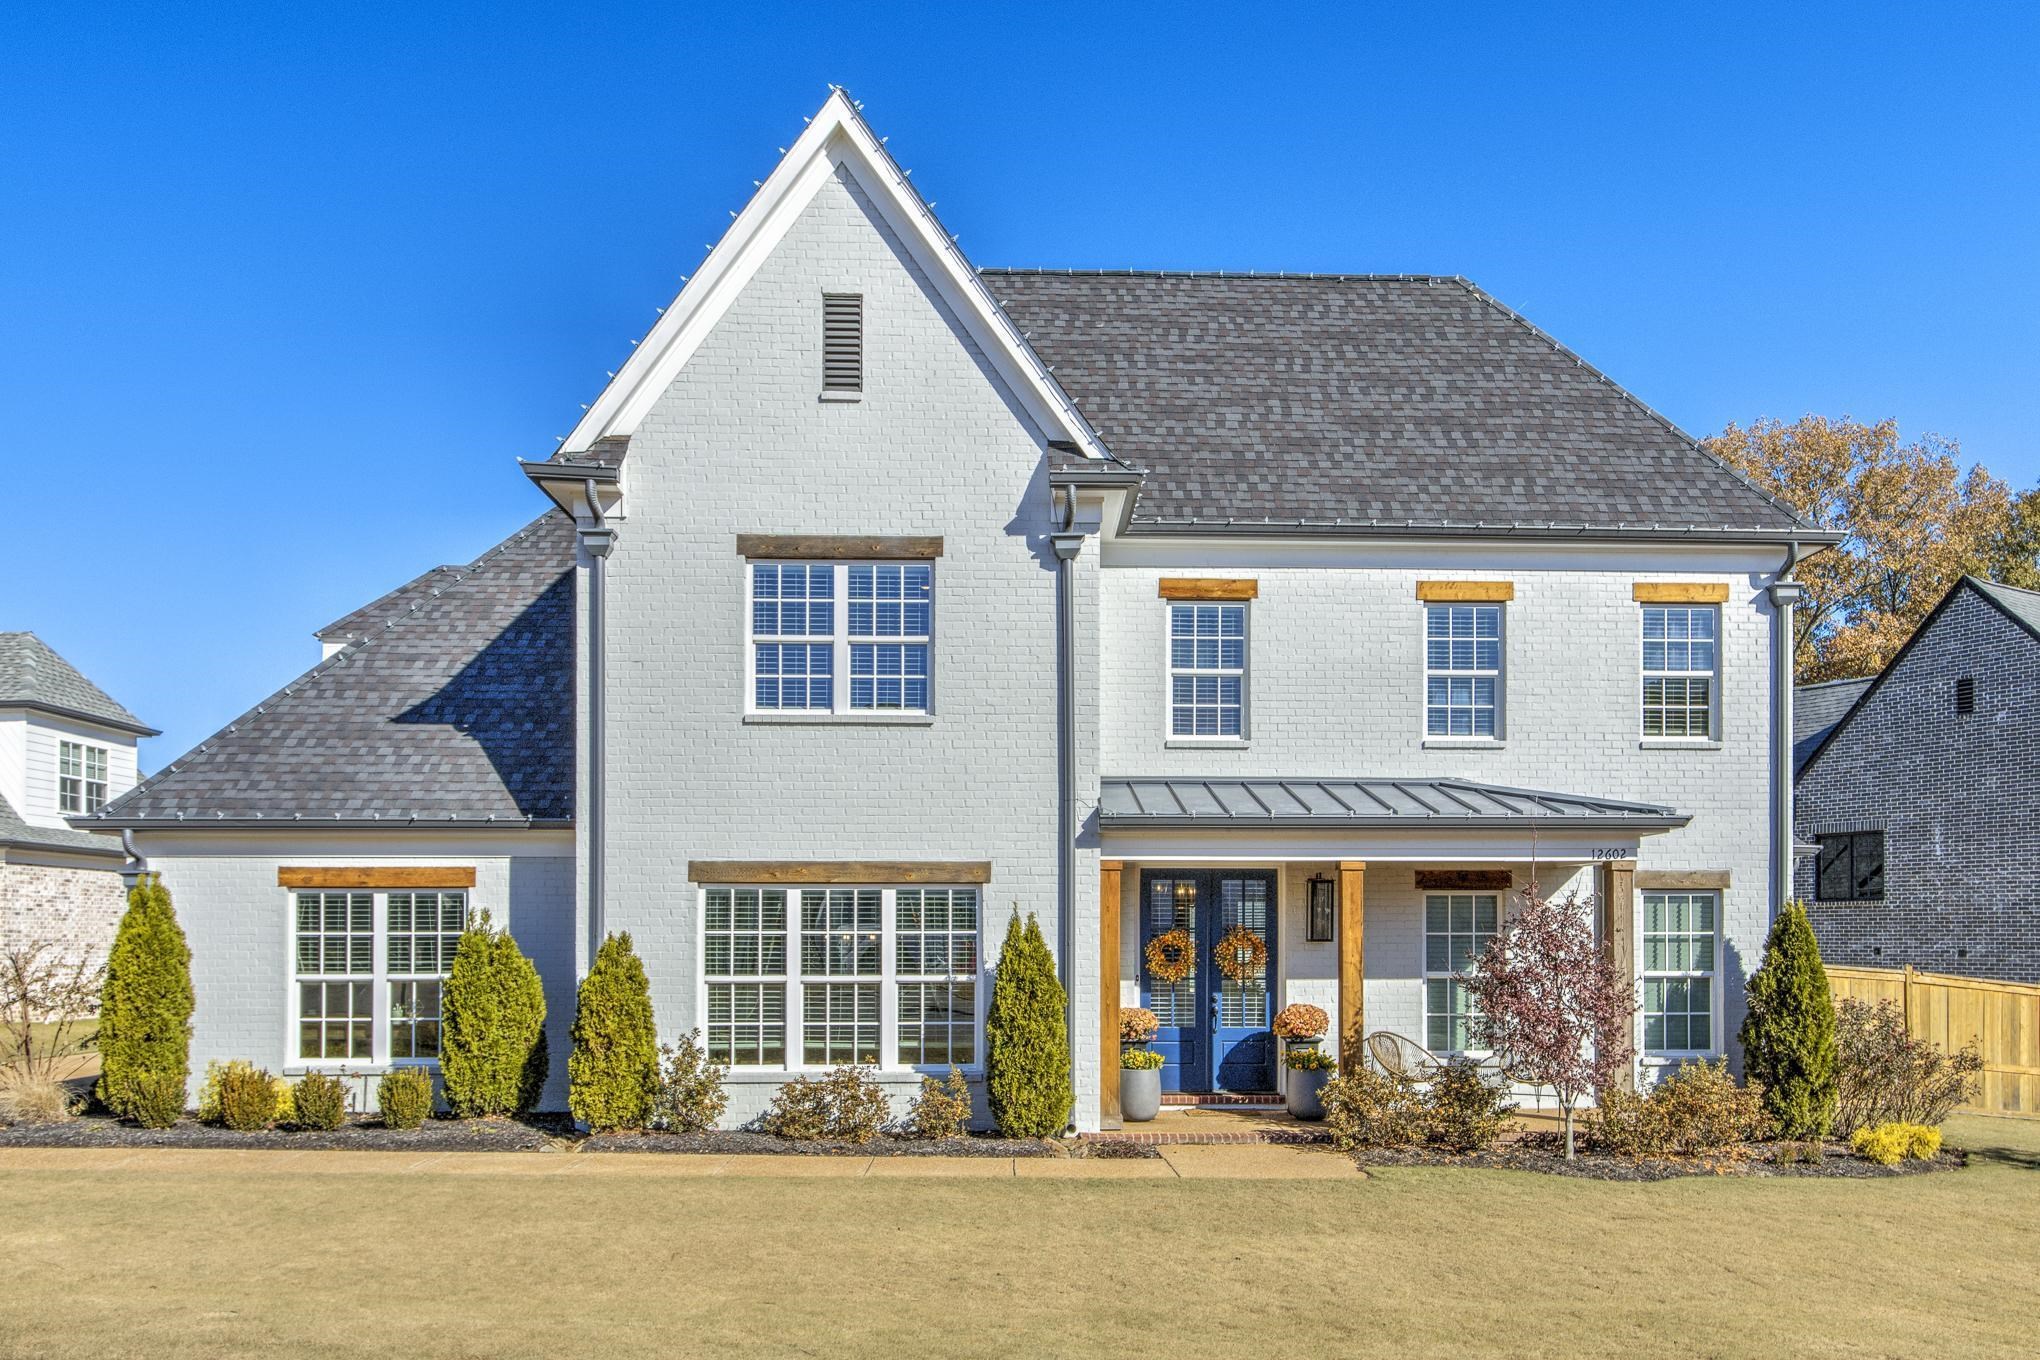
841	637
1462	670
81	777
842	344
1679	658
1850	867
1207	670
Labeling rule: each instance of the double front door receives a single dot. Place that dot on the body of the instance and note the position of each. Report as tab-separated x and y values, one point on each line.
1214	1022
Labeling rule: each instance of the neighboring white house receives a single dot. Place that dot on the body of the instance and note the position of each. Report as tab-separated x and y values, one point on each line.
883	596
66	750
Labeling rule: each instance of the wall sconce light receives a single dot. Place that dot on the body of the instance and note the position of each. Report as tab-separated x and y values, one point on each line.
1323	910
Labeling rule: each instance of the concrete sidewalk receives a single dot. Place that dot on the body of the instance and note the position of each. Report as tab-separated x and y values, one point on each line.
1223	1162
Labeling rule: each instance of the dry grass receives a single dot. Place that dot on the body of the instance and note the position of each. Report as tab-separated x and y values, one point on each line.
78	1057
26	1099
1417	1262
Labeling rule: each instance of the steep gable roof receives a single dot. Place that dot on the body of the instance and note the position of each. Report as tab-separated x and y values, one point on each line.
360	623
1358	401
460	710
32	675
1815	711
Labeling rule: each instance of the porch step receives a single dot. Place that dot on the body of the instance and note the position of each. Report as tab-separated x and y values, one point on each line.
1266	1100
1297	1136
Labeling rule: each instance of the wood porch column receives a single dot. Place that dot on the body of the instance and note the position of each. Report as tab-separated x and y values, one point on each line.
1108	992
1352	963
1617	892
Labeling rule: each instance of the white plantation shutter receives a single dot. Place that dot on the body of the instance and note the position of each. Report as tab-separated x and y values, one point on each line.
842	342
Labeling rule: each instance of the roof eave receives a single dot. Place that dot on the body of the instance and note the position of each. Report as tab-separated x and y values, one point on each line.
128	725
1415	529
1648	825
299	822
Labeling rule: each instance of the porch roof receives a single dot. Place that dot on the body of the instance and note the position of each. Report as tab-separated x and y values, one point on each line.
1364	802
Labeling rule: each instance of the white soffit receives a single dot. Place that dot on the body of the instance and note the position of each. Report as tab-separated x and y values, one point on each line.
835	136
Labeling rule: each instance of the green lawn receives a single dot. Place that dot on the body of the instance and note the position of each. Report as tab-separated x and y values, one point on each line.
1408	1263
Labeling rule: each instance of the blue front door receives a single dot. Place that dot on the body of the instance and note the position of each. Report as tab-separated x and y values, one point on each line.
1214	1032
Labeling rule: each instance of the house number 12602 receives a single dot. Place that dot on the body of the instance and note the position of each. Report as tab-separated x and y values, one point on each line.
1611	852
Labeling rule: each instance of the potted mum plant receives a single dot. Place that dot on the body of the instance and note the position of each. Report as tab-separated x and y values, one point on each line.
1140	1067
1301	1026
1310	1068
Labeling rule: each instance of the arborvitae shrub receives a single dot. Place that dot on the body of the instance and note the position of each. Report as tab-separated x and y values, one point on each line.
613	1072
691	1096
942	1110
319	1102
492	1057
844	1106
145	1006
1788	1037
248	1098
405	1097
1027	1046
155	1099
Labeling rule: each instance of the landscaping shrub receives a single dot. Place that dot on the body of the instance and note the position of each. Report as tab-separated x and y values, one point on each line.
1462	1111
210	1110
404	1096
1027	1046
49	997
1885	1075
1369	1109
690	1097
1890	1144
844	1105
248	1098
319	1102
1696	1111
30	1098
1626	1124
1788	1037
145	1005
155	1099
942	1110
492	1057
613	1072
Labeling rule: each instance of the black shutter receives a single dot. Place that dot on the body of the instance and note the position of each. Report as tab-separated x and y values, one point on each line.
842	342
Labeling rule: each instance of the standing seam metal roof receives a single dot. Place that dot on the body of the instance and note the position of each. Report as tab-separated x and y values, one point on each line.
1357	802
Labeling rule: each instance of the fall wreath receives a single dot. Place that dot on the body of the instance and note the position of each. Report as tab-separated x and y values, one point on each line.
1241	954
1170	956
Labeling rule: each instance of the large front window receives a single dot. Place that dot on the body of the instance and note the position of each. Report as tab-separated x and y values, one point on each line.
1207	670
1679	653
81	778
1678	971
841	637
822	976
370	971
1457	927
1462	670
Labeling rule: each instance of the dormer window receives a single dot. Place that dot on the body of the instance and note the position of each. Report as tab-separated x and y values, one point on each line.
81	778
842	346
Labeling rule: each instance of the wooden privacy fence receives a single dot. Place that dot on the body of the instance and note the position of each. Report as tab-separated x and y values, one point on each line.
2001	1018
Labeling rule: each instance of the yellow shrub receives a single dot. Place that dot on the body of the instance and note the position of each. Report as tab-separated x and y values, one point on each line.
1924	1141
1890	1144
209	1093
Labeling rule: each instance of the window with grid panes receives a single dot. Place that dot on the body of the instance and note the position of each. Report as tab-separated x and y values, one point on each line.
421	931
793	626
335	975
81	777
744	951
840	938
1457	927
889	622
1462	670
936	947
1679	655
1207	670
1678	971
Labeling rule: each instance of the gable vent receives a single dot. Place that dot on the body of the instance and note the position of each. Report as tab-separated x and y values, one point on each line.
1965	695
842	342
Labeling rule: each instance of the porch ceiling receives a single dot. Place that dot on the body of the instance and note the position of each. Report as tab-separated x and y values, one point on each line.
1329	803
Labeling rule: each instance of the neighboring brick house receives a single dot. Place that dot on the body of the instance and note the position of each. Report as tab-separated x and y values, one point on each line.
1924	797
883	596
66	749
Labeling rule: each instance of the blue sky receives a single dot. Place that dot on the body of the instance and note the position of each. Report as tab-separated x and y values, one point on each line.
256	257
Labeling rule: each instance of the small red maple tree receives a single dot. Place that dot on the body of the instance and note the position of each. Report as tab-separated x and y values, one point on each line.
1554	1010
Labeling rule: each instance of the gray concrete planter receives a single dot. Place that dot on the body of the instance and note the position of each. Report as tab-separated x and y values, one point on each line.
1140	1094
1304	1096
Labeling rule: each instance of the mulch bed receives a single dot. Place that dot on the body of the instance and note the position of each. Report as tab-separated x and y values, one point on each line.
727	1142
1546	1152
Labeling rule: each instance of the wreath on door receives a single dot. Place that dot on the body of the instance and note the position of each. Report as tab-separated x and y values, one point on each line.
1241	955
1170	956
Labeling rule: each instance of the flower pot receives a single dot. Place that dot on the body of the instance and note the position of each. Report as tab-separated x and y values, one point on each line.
1140	1093
1305	1094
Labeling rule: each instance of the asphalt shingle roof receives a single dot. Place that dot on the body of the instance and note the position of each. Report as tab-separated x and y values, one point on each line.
459	709
1358	400
34	676
399	602
1815	711
2023	605
15	831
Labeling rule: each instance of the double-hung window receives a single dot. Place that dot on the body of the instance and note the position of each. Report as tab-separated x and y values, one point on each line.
1457	927
1850	867
1680	652
1207	670
824	976
81	778
1678	971
841	637
1462	670
370	973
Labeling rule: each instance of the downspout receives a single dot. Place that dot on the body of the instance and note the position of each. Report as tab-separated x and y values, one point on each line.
132	871
1067	542
596	538
1784	595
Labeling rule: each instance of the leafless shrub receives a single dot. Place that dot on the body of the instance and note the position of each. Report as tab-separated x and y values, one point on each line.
49	996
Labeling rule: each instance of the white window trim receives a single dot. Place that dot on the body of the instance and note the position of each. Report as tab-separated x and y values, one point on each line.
887	979
838	640
1500	674
1426	974
379	977
1170	737
1674	1056
1711	739
80	801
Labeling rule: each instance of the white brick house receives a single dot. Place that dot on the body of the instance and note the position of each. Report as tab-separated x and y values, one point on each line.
884	595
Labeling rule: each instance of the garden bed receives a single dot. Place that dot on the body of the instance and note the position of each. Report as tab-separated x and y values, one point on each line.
535	1133
741	1142
1545	1152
